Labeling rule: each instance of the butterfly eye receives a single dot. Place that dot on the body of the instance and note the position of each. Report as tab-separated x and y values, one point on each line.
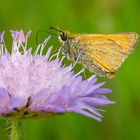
64	36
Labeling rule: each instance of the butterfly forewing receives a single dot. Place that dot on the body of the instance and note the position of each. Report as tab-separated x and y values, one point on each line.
108	51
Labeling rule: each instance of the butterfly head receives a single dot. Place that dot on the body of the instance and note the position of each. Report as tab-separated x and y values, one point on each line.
63	36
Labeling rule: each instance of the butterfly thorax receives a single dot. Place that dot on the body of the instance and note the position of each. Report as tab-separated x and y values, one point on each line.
72	49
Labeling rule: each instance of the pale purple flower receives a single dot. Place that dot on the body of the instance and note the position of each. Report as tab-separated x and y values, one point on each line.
38	85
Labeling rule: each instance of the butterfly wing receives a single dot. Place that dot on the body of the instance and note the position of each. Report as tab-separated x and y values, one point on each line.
108	51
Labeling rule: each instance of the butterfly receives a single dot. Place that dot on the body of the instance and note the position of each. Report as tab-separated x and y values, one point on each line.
102	54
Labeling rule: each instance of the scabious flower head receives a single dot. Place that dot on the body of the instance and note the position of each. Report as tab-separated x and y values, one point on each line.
36	85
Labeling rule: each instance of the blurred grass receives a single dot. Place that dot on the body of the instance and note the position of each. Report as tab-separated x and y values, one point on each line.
122	121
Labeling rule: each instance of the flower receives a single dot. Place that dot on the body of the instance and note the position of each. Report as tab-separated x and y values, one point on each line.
39	85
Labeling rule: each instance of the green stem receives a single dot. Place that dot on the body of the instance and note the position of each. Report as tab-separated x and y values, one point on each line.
16	130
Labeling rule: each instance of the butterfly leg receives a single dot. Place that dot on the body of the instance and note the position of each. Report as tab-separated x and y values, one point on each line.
84	72
85	77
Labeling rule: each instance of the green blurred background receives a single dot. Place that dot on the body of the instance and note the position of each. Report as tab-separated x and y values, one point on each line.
122	120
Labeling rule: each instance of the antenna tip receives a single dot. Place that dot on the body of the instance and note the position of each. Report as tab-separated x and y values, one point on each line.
51	27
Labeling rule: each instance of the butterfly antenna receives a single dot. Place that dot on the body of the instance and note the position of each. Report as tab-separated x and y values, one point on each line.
37	34
56	29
